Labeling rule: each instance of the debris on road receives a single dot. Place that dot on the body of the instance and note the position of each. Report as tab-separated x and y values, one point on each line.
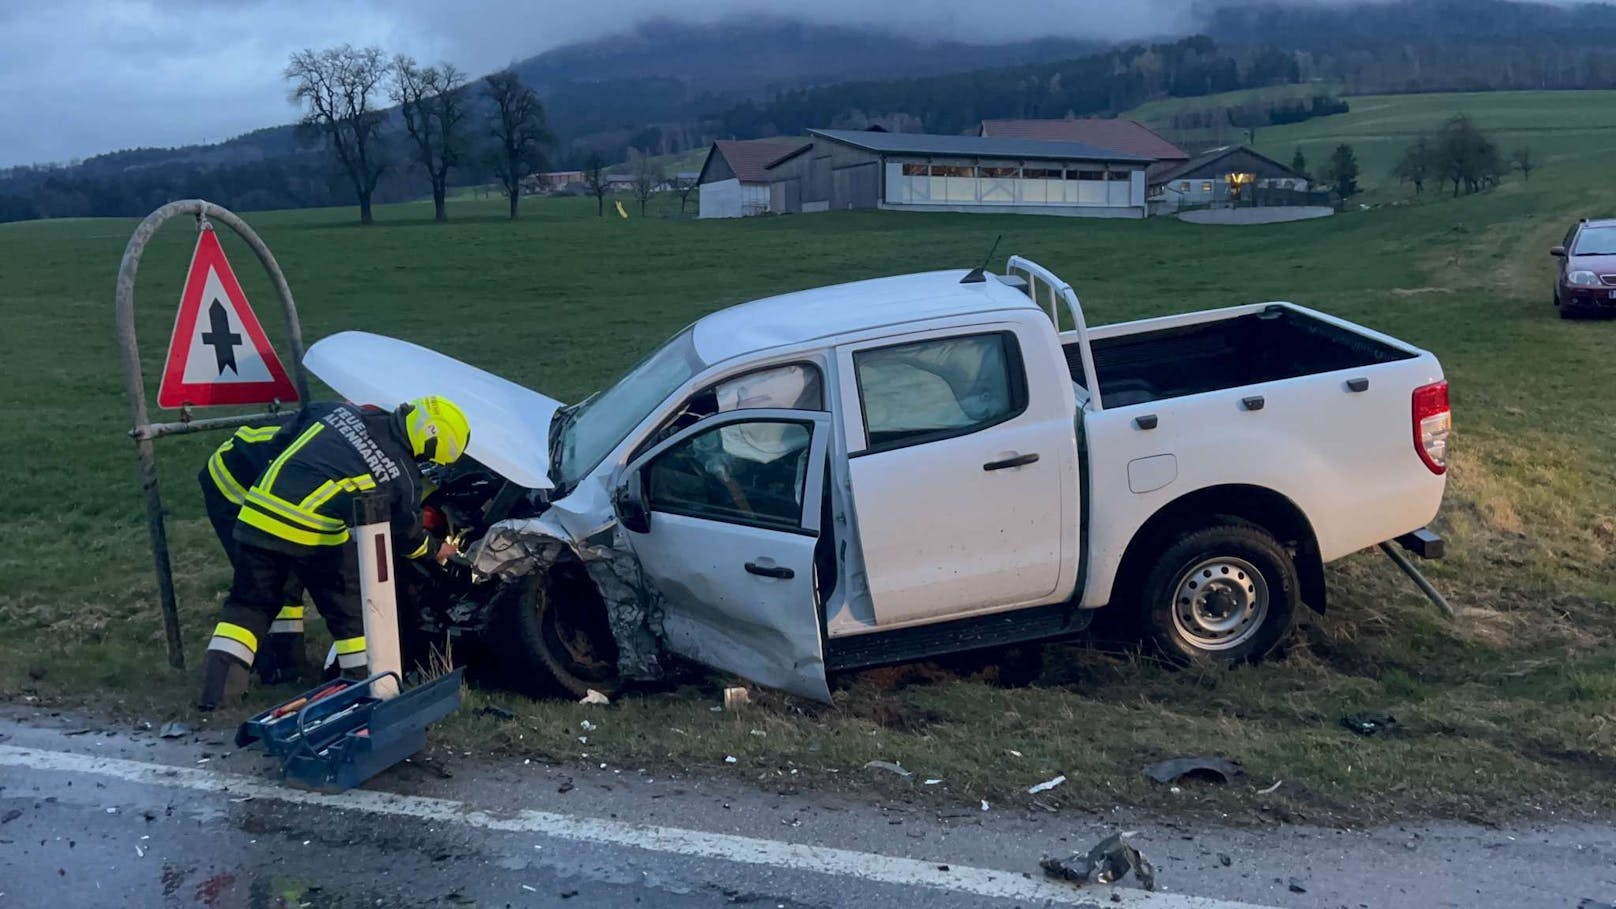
592	696
587	726
1212	770
1296	886
1046	785
889	767
498	712
1108	862
174	729
1224	859
1370	723
933	782
10	816
1271	789
729	758
984	804
736	698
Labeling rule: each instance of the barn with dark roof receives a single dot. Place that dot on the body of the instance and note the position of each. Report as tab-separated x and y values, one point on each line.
734	178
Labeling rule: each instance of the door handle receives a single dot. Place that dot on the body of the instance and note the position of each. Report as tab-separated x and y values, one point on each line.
1017	461
770	571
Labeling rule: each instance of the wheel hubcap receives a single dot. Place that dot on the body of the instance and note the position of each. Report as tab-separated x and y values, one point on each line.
1219	603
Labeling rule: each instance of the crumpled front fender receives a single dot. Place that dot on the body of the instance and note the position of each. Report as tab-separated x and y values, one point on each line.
519	547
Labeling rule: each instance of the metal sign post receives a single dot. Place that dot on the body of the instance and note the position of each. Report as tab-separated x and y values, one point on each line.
144	431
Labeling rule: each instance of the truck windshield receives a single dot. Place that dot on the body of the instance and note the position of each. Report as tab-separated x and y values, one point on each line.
584	434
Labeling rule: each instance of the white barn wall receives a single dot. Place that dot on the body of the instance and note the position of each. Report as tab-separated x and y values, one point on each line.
720	199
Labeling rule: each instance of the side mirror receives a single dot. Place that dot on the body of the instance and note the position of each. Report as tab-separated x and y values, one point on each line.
628	501
1557	251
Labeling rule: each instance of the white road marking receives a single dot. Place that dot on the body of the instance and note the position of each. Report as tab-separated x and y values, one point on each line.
984	882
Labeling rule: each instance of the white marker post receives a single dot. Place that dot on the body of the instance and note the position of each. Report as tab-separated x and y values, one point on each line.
378	591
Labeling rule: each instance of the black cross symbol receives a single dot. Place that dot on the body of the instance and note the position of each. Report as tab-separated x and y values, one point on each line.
221	338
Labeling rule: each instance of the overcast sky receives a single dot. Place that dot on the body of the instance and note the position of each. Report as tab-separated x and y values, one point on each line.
80	77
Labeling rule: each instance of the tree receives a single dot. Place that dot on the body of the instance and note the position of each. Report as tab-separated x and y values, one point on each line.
1417	164
648	175
1342	171
1299	162
1521	159
518	124
337	88
432	102
595	182
1466	156
683	185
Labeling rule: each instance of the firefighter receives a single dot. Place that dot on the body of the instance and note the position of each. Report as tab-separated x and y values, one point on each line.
232	468
295	518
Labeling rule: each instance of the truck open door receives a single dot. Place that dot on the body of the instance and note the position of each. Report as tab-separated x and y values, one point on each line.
724	518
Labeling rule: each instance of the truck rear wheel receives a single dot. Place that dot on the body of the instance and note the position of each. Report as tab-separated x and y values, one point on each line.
1224	593
549	634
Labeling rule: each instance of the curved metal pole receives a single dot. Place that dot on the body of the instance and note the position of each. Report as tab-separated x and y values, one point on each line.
135	384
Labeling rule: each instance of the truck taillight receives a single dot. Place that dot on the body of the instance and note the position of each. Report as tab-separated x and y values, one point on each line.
1433	421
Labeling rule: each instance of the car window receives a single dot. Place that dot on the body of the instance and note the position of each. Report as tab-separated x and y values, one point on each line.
1596	241
938	389
742	473
792	386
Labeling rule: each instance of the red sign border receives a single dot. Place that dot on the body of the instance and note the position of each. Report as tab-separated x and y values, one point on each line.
174	392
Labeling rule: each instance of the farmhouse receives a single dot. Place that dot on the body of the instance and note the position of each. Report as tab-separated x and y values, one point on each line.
734	178
1232	174
843	169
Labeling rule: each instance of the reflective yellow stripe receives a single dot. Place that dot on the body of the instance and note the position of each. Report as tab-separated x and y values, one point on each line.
350	645
236	633
274	471
421	550
312	519
277	528
290	612
330	488
256	433
221	478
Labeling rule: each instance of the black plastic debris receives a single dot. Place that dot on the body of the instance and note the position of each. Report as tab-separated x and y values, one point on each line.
1595	904
1211	770
1296	886
498	712
174	729
1108	862
1370	723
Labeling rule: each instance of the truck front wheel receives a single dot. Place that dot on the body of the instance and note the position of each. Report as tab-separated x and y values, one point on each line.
548	631
1224	593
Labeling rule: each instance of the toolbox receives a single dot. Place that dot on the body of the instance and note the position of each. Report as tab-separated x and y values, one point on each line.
339	734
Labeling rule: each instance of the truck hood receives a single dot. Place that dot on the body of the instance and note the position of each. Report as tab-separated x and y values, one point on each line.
510	425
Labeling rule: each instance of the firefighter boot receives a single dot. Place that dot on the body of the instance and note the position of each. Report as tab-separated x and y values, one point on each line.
224	680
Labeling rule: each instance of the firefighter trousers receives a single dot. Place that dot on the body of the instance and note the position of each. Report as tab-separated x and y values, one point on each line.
331	576
280	657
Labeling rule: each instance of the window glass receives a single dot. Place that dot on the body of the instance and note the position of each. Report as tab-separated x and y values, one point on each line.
1090	174
793	386
938	389
950	170
916	170
1183	186
742	473
595	426
987	171
1206	186
1041	173
1595	241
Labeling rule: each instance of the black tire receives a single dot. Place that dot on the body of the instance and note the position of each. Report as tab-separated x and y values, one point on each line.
1250	587
549	635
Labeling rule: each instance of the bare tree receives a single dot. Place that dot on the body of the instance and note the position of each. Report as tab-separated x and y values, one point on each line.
1521	159
683	185
648	176
595	182
520	132
337	88
432	102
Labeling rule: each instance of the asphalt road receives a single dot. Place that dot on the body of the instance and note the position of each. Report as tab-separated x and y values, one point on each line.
94	816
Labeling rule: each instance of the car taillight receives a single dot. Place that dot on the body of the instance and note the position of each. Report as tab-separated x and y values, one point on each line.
1433	421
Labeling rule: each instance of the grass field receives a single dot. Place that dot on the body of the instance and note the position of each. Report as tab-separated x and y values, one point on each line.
1510	710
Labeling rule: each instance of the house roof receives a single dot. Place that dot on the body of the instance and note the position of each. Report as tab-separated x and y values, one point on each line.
1212	156
825	312
749	159
1127	136
974	146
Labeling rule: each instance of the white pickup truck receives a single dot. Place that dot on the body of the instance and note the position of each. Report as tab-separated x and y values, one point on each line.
917	465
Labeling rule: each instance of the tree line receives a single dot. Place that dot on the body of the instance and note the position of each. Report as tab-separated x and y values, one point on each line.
1461	154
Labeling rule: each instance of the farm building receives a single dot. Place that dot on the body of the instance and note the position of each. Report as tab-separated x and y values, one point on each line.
922	172
734	178
1232	174
1120	135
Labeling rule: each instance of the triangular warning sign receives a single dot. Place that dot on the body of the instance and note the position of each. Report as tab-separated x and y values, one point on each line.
219	353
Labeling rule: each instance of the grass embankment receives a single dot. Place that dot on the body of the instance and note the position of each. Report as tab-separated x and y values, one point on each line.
1511	709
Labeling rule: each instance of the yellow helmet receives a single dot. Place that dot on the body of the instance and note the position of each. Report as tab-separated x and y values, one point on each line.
437	428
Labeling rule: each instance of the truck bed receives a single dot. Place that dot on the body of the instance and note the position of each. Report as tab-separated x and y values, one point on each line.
1262	346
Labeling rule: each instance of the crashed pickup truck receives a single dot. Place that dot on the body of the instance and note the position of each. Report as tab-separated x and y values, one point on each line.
912	466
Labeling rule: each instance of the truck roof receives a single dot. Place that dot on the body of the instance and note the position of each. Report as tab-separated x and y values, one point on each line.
824	312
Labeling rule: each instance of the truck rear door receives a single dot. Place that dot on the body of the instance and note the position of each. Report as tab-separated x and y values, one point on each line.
962	458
